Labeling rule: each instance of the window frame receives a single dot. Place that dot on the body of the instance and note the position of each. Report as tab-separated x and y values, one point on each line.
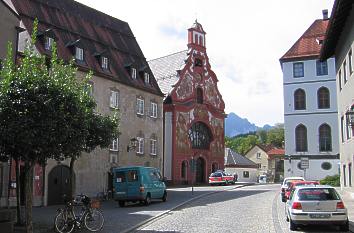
153	146
345	78
325	138
301	142
114	145
140	103
147	78
114	99
323	98
133	73
321	68
153	110
79	54
299	100
350	61
140	146
298	69
48	43
104	63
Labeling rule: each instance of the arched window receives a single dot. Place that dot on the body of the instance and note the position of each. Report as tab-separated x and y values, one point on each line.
325	138
323	97
199	95
201	41
301	138
200	136
184	170
299	99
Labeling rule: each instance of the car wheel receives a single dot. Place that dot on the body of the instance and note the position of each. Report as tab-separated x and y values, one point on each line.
344	227
147	199
293	226
121	203
164	197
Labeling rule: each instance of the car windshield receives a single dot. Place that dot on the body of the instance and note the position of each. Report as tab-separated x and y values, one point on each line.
320	194
216	175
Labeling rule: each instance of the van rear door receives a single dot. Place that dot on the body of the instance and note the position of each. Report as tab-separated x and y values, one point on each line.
133	184
120	185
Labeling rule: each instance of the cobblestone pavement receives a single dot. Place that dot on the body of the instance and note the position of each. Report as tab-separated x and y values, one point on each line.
124	219
248	209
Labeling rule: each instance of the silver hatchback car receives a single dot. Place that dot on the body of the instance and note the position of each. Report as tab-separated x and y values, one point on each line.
318	204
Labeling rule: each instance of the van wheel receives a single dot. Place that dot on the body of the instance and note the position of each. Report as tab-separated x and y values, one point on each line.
121	203
164	197
147	199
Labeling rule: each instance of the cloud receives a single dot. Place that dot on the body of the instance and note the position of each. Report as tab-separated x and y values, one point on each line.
244	40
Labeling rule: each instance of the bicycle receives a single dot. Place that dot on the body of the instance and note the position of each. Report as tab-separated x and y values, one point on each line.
90	216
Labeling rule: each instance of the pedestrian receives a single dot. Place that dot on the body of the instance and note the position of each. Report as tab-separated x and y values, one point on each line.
235	177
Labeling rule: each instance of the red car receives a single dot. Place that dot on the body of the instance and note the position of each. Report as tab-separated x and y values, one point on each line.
221	178
295	184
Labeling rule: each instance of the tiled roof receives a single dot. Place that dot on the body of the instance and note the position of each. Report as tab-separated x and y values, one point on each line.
234	158
276	151
308	44
97	32
165	69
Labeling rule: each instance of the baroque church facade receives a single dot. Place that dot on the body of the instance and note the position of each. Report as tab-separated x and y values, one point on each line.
193	112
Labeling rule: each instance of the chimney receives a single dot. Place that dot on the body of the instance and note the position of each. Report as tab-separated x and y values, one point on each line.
325	14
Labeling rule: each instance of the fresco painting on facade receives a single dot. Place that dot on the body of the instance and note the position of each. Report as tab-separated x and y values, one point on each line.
199	133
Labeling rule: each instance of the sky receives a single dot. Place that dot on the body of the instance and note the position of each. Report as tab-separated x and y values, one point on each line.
244	42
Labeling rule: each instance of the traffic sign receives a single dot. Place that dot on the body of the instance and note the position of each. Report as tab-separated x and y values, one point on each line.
305	164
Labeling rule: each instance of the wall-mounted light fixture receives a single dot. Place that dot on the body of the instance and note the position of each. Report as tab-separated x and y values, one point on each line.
132	144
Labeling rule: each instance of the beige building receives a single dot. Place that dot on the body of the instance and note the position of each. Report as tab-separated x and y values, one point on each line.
122	81
339	43
269	160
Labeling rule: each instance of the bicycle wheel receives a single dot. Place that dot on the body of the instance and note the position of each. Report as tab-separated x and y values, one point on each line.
63	223
94	220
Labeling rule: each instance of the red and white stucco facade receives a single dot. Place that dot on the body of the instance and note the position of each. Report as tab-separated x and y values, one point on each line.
193	101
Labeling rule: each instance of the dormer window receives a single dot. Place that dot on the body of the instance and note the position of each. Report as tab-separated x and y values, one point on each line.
133	73
79	53
146	78
104	63
48	44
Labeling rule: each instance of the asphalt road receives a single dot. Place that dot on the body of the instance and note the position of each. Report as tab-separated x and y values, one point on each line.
249	209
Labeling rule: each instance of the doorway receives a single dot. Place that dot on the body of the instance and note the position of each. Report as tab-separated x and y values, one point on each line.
58	184
200	170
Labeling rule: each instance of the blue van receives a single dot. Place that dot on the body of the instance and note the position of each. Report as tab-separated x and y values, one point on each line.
138	184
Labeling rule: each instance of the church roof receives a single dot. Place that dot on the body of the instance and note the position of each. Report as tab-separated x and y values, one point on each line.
309	44
72	22
165	69
235	159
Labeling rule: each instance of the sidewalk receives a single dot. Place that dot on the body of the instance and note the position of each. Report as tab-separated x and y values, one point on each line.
348	198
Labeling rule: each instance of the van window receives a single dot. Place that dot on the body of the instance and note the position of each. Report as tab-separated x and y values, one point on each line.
155	175
132	176
120	177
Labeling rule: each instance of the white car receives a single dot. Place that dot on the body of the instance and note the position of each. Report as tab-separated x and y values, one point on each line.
285	184
318	204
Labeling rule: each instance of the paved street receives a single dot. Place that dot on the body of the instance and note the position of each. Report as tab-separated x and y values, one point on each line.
123	219
249	209
234	208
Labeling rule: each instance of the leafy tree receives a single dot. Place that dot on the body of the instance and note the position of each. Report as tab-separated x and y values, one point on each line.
275	135
45	113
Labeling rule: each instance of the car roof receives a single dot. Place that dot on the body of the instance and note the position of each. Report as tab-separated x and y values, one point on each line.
314	187
294	178
304	182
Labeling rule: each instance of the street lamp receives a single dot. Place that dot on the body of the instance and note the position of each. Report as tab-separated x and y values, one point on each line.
132	144
350	117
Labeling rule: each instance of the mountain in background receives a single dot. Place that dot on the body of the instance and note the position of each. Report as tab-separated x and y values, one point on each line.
235	125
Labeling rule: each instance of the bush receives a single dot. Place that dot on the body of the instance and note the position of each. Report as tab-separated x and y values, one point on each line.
331	180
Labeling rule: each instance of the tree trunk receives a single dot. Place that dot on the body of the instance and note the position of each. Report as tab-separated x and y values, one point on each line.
29	195
18	191
72	176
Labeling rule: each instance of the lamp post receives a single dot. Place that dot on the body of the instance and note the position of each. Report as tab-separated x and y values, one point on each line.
132	144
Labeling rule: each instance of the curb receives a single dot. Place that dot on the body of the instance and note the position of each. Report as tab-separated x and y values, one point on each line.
178	206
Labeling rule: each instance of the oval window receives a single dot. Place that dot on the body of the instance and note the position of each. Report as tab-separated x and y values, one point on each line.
326	166
299	166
